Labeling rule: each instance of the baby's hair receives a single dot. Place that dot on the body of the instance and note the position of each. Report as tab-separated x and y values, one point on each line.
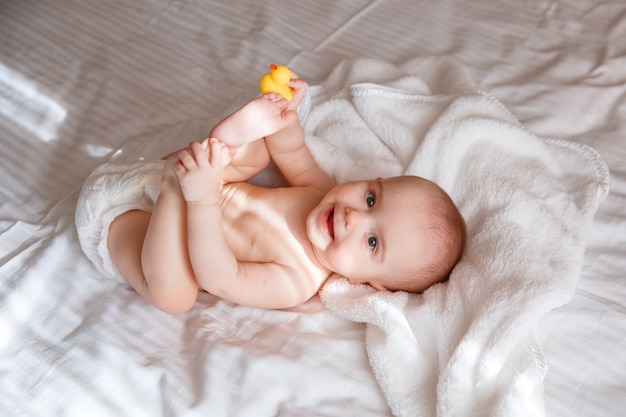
445	236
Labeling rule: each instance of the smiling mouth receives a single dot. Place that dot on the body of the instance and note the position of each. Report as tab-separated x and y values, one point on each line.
330	225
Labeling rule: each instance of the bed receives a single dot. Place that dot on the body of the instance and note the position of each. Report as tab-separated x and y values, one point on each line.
83	83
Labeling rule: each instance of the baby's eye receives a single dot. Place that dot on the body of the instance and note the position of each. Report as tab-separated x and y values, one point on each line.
370	199
372	242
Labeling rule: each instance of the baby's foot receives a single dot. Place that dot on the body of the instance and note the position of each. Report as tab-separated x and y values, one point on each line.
261	117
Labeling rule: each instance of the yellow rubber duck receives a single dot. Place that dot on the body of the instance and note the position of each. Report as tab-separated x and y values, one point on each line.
276	81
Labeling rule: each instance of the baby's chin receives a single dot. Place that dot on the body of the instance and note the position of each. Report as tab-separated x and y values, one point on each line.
315	231
317	248
310	229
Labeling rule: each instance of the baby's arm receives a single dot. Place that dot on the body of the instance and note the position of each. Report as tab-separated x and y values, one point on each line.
291	154
266	285
199	174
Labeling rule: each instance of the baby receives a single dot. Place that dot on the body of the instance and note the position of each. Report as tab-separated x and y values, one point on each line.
171	228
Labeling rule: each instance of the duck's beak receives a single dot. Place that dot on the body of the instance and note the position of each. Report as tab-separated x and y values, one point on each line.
273	67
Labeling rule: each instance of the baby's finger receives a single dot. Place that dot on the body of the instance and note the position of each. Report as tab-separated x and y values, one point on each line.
186	159
297	84
216	153
200	154
294	75
227	154
231	150
179	169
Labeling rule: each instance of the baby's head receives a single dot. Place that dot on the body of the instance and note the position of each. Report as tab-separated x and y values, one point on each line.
401	233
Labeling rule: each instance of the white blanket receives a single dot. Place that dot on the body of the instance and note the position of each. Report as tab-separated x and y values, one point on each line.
465	347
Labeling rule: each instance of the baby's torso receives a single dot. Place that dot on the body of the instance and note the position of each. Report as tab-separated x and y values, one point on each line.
269	225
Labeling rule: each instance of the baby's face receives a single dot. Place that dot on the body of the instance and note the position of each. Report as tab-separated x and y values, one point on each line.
365	229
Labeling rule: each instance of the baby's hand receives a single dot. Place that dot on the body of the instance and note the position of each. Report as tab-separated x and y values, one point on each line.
298	88
199	170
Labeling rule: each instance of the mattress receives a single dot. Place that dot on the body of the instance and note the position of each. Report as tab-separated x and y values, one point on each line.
83	83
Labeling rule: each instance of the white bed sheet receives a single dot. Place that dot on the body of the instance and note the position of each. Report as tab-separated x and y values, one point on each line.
85	82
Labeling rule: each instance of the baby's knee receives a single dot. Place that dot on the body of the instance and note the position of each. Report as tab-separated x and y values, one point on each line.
174	303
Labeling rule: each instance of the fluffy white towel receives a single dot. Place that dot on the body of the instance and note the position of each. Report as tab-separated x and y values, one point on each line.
464	347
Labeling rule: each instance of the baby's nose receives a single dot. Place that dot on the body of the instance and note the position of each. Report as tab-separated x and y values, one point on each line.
353	217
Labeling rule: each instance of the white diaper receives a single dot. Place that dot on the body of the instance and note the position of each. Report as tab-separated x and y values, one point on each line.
110	190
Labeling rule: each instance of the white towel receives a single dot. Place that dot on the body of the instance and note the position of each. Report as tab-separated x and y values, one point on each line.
464	347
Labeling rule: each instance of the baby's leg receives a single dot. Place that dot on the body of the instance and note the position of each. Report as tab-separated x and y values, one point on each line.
125	241
150	251
261	117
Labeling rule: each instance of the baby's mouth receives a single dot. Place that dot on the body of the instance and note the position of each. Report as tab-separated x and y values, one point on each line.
330	224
